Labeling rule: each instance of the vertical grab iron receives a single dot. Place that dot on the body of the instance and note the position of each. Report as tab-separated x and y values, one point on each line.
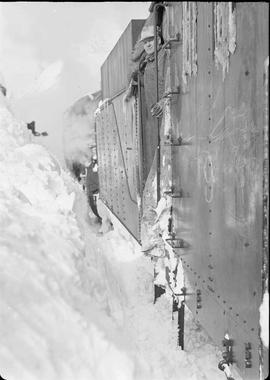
156	7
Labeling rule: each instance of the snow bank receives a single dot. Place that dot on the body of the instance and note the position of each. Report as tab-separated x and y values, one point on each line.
76	304
51	327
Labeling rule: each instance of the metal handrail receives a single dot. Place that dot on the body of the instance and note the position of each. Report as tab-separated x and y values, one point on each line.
155	8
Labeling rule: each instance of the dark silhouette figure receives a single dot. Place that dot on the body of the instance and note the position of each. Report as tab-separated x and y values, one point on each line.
77	169
32	127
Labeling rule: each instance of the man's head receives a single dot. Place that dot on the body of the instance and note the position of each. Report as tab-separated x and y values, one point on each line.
147	37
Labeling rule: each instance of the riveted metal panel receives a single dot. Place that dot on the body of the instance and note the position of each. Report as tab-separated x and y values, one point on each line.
219	172
117	140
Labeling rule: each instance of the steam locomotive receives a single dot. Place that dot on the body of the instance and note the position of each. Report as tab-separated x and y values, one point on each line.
209	171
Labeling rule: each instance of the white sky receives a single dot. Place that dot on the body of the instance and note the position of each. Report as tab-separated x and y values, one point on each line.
51	53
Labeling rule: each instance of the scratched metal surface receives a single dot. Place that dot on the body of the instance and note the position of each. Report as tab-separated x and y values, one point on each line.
221	218
118	166
265	270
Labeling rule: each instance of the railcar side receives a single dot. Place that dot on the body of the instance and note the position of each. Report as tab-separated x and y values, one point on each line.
210	170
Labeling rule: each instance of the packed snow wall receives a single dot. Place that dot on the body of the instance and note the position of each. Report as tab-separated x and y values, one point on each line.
53	321
75	304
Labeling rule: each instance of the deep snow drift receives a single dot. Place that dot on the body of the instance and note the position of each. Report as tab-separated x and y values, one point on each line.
76	304
51	326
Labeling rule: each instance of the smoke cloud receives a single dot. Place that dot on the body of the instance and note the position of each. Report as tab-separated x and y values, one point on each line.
79	131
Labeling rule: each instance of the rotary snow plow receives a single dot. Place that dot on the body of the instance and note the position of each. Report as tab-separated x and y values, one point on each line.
182	143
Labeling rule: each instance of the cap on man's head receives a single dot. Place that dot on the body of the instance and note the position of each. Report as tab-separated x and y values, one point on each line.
147	32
